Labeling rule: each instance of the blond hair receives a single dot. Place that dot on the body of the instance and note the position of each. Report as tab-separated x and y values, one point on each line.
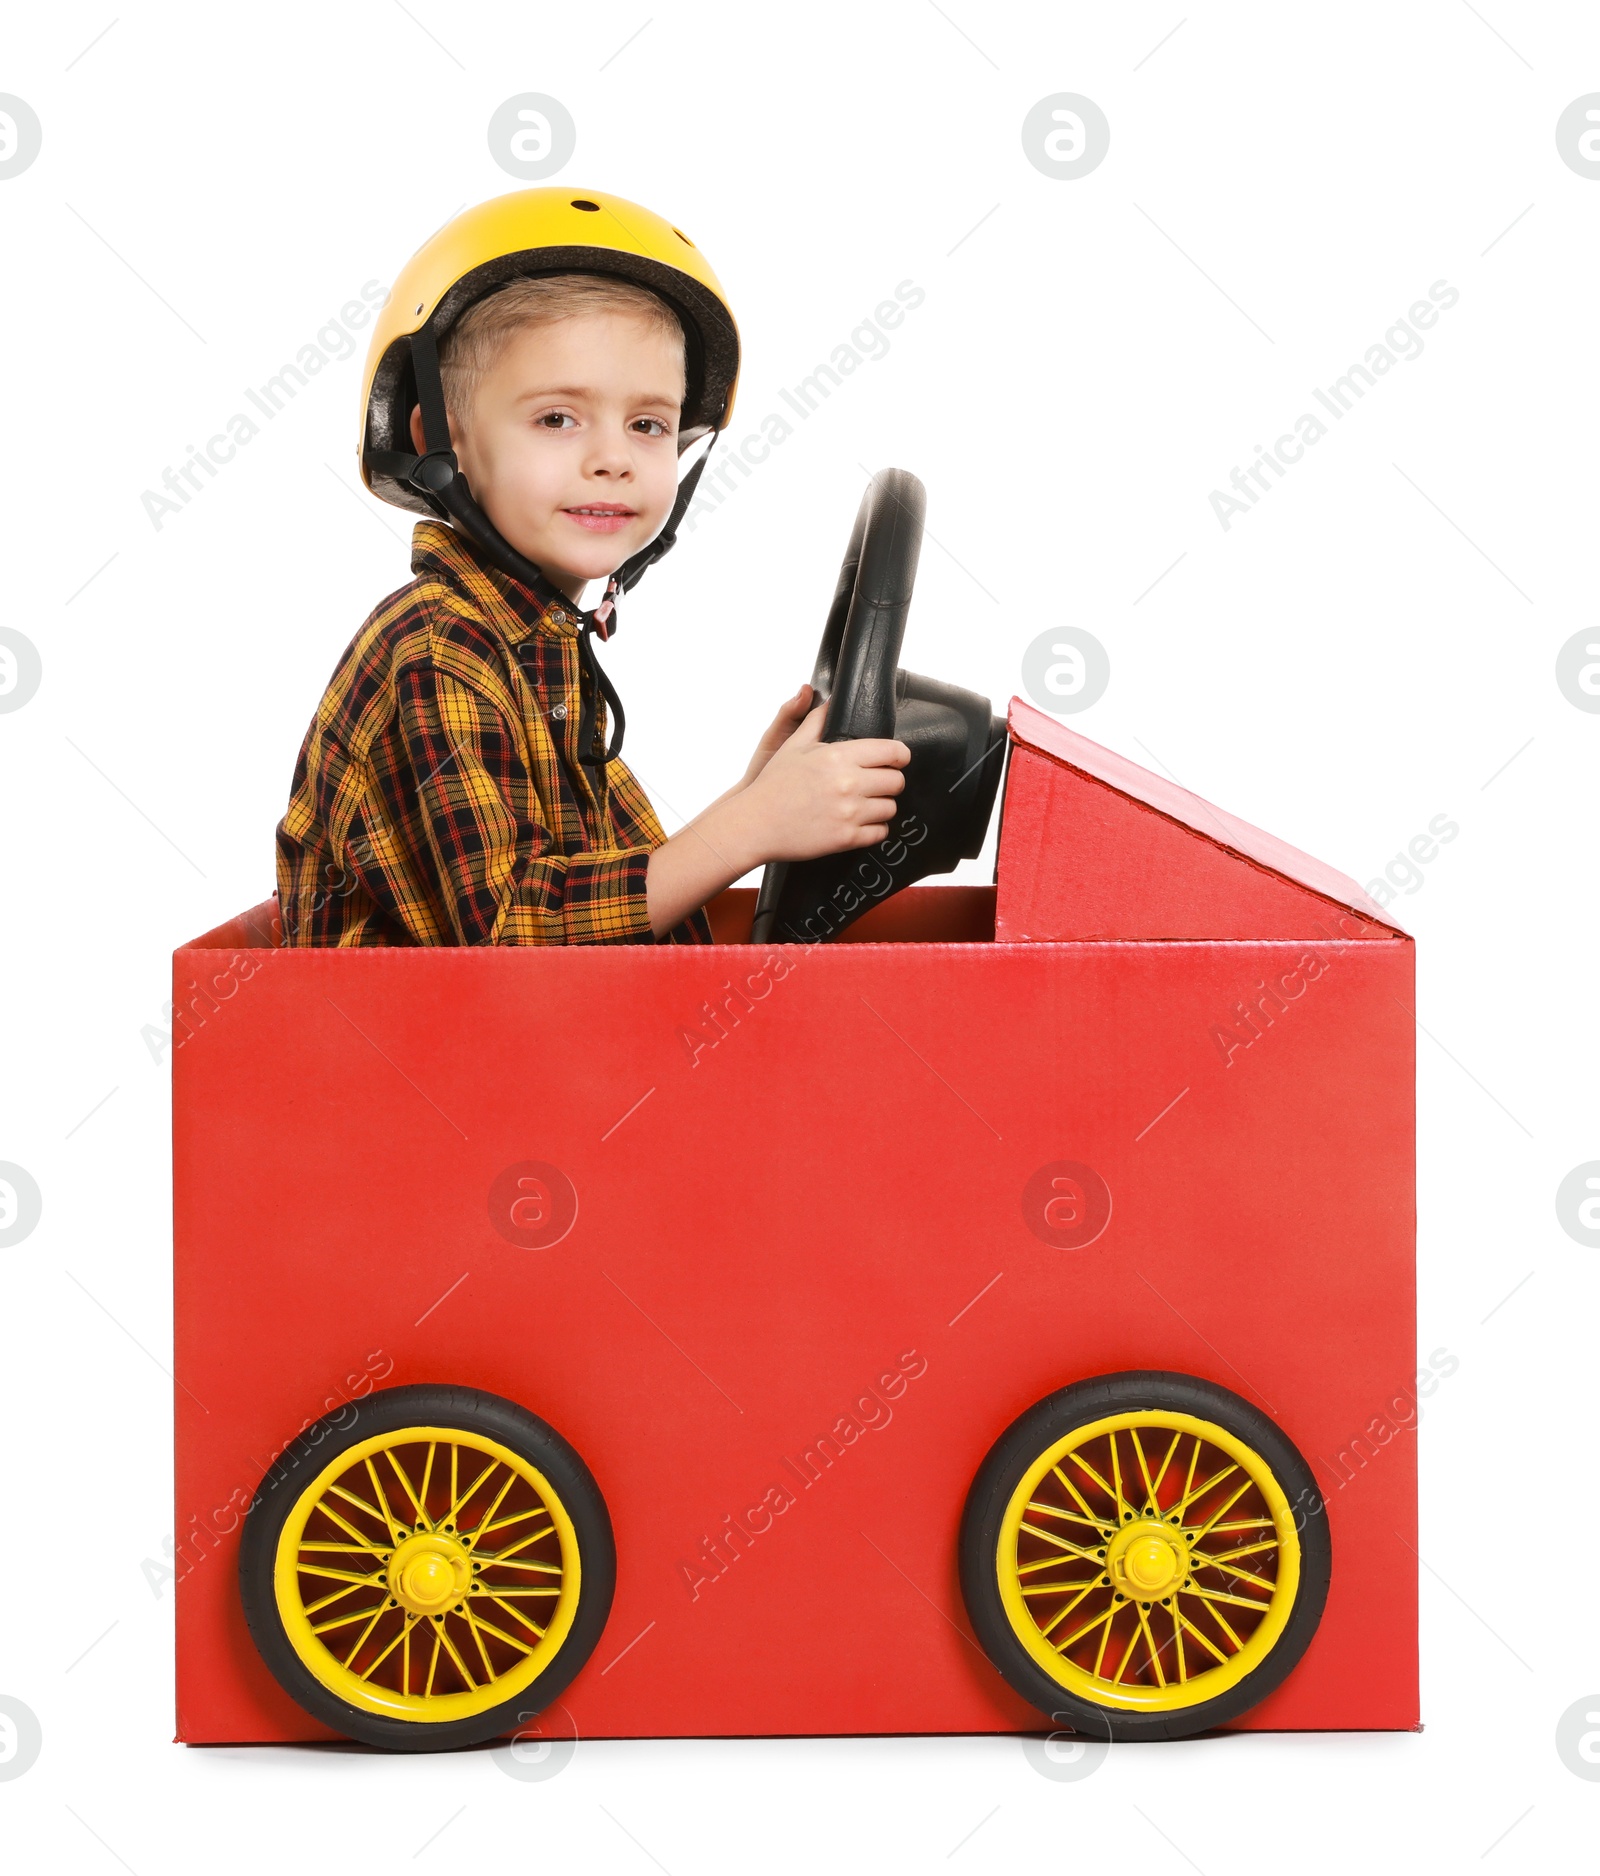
473	344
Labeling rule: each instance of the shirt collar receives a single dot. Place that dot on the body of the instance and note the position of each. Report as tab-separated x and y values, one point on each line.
437	548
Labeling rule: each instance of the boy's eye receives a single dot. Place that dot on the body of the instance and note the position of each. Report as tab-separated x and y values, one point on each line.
653	426
554	419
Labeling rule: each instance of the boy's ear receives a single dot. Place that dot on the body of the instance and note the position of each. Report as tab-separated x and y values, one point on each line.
419	442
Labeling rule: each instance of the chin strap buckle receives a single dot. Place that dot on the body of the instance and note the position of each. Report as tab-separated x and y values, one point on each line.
602	614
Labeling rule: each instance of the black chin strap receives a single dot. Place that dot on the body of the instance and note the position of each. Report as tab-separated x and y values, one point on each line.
436	476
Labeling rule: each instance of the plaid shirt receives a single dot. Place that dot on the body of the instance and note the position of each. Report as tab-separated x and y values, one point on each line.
439	798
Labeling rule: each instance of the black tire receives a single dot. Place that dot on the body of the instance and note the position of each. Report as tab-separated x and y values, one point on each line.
1003	1471
392	1410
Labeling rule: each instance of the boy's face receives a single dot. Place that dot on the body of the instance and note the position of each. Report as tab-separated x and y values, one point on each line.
571	443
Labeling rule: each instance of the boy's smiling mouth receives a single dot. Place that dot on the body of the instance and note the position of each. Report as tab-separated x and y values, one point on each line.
601	517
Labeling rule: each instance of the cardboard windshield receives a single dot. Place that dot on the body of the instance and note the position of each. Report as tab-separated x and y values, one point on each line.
1093	846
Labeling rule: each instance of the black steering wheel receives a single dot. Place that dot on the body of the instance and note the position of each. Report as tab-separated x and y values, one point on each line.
957	744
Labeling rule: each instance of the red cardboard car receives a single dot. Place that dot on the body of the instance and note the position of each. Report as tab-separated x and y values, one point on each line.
1152	1120
708	1399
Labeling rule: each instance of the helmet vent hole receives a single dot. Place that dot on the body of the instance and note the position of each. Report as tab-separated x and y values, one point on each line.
683	237
592	207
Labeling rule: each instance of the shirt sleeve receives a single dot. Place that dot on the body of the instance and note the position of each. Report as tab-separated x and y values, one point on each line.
635	821
496	876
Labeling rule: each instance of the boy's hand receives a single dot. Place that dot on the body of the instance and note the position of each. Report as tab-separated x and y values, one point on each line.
779	731
801	798
810	797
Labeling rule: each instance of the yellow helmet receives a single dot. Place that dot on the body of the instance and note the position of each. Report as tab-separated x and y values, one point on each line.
532	231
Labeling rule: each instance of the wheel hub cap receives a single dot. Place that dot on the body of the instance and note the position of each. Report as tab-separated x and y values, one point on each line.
429	1572
1147	1561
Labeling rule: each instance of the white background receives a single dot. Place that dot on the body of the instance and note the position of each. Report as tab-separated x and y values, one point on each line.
1373	645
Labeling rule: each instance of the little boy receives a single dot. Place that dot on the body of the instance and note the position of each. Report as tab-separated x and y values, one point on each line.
456	785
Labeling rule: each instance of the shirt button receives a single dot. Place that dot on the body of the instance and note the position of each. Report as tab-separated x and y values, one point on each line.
560	710
558	617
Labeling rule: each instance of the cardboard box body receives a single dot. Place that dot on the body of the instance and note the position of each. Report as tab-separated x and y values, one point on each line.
802	1272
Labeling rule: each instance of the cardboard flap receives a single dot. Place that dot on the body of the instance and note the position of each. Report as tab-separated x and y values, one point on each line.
1094	846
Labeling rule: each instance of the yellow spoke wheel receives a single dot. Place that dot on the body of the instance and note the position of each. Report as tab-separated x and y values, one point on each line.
1146	1552
430	1572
